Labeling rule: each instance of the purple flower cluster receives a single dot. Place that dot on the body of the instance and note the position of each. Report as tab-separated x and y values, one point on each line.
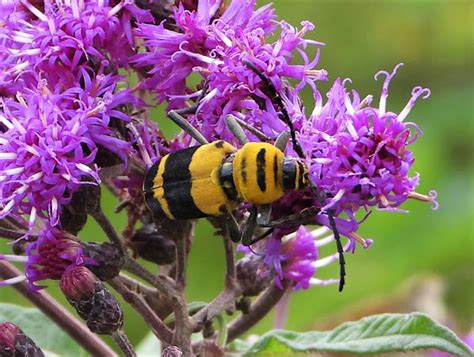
220	49
358	154
49	140
62	111
60	37
59	100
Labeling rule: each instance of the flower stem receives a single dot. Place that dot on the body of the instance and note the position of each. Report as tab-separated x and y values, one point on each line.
183	326
230	263
123	342
57	313
138	303
152	297
181	257
225	301
108	229
163	286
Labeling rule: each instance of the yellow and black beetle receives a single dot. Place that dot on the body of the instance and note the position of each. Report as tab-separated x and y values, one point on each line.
212	178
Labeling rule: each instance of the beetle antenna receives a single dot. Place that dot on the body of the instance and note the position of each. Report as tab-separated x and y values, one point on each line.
276	97
340	250
337	238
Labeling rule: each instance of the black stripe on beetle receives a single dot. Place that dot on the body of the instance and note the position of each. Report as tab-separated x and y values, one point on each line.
275	170
300	175
261	170
243	170
177	183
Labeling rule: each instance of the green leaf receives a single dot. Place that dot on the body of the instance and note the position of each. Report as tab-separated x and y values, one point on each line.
373	334
46	334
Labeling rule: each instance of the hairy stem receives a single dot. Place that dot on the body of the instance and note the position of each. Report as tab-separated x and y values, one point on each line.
139	304
124	343
183	326
225	301
181	257
163	286
267	300
108	229
230	263
152	297
58	314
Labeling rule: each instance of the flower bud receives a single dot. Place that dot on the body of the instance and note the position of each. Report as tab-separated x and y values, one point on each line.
74	215
14	343
52	253
108	260
92	301
152	246
172	351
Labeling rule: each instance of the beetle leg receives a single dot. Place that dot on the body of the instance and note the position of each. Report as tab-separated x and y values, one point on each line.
282	140
236	129
249	227
264	215
340	251
263	235
306	216
232	228
175	116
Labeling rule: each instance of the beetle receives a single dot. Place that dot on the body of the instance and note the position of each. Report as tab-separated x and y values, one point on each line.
211	179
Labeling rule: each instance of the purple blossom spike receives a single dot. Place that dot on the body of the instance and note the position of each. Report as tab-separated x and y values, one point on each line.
358	155
49	140
296	257
64	35
293	258
226	51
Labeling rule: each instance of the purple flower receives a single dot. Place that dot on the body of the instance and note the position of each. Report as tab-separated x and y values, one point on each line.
193	42
63	36
295	259
49	138
48	257
218	47
51	254
357	155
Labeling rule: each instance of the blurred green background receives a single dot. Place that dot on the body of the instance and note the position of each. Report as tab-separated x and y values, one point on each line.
418	259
